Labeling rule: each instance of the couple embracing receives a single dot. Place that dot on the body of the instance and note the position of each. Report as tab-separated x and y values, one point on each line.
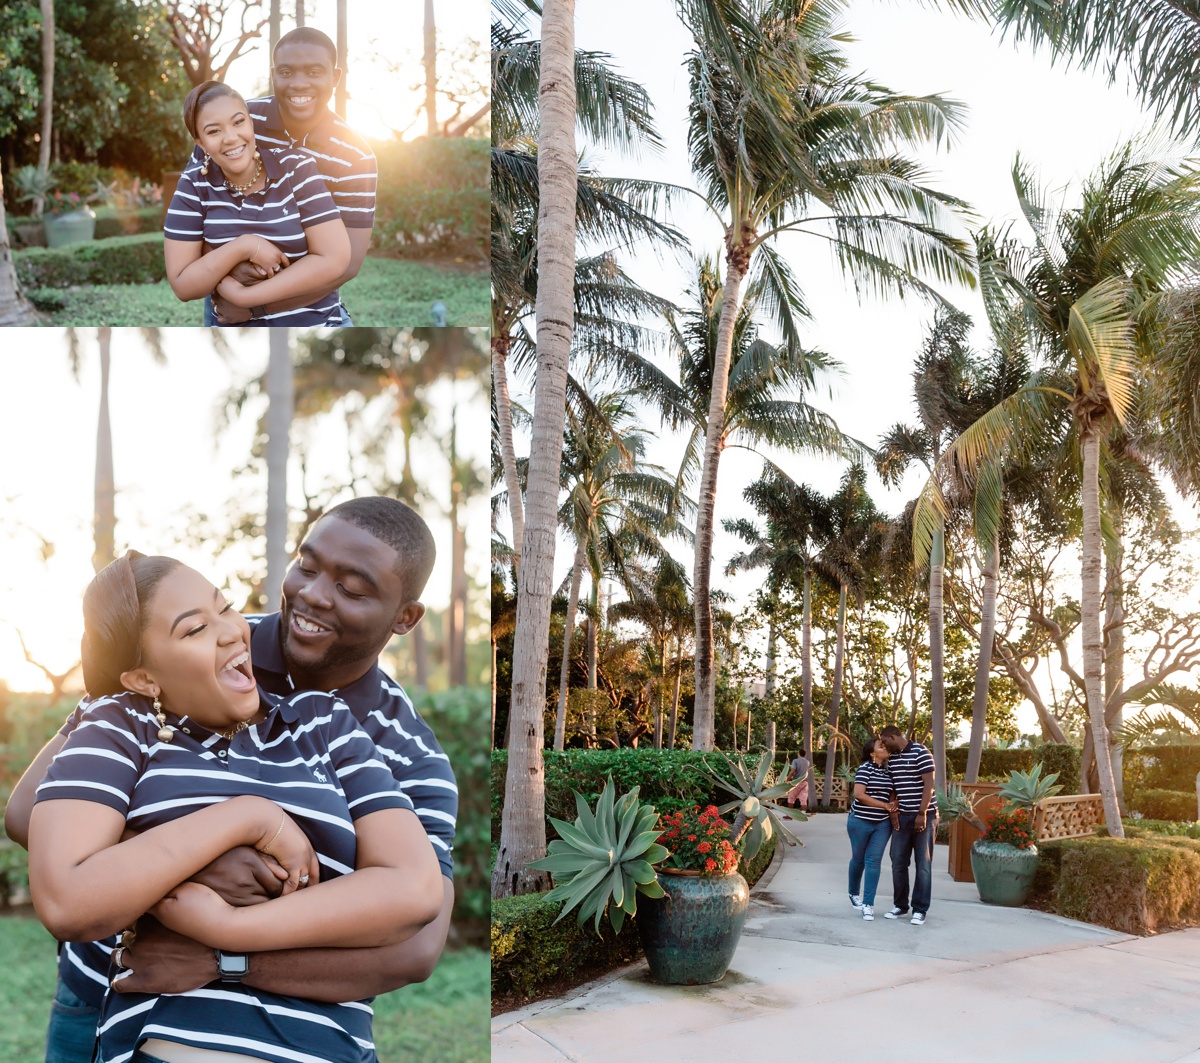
275	209
238	833
893	802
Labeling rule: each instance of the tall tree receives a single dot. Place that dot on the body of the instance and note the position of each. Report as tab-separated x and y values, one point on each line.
280	406
339	96
199	33
784	138
430	62
14	309
47	104
523	824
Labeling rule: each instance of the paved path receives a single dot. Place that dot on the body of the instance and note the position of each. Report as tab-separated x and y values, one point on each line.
812	980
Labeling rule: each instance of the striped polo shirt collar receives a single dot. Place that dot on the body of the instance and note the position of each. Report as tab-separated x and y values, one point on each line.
275	124
276	708
271	164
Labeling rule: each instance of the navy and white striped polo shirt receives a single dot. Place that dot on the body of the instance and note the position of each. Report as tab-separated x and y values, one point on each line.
404	742
310	757
878	782
294	199
907	768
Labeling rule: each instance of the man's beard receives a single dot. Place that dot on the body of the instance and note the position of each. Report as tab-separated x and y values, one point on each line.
338	654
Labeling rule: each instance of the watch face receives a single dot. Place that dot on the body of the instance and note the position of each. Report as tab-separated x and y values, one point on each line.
232	965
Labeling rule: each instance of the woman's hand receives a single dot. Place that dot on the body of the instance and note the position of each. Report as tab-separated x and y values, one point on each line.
266	256
194	911
289	847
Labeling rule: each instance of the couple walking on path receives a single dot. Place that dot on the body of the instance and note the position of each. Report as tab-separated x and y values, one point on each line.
893	801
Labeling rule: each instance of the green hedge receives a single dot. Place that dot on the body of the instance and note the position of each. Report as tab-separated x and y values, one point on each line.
669	779
118	260
433	197
1063	758
993	763
1177	805
1162	768
109	222
1172	828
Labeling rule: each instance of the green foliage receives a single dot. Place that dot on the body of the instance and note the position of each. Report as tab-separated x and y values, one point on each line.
460	719
1171	767
432	197
954	803
667	779
602	861
1171	828
27	980
110	221
117	260
1062	758
20	39
755	793
1026	789
994	763
1178	805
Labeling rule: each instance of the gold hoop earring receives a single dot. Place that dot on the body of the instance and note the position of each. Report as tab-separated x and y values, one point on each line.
165	734
204	165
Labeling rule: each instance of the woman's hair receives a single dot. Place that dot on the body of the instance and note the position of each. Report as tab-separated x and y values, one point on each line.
199	96
869	748
115	608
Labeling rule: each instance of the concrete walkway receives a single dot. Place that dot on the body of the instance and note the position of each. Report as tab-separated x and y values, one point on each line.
812	980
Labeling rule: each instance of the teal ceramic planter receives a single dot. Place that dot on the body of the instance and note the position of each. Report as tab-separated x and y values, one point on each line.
1003	872
689	936
76	227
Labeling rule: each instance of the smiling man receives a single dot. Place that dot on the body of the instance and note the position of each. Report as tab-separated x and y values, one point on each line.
304	74
356	581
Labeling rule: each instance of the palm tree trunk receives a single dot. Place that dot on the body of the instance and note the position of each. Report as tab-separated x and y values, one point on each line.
675	692
704	719
1114	654
280	397
937	656
14	310
1093	649
273	17
769	726
523	824
593	634
560	719
835	699
299	12
508	454
105	521
495	655
662	691
43	163
430	62
339	97
983	667
806	677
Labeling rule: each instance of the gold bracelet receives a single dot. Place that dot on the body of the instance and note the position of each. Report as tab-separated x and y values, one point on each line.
267	848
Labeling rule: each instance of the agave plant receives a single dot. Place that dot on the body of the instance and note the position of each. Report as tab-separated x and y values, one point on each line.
603	860
954	803
1025	789
758	818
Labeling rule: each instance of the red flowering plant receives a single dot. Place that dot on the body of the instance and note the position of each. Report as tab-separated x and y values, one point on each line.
698	840
61	203
1011	824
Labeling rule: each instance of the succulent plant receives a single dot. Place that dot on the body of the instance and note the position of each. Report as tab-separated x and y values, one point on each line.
758	818
953	803
603	860
1026	788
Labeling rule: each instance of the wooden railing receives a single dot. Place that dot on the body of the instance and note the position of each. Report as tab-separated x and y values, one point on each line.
1068	816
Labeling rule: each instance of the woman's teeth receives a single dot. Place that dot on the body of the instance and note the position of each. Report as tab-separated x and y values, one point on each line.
237	662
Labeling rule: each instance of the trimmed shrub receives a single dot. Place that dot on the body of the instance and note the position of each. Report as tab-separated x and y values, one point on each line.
119	260
1135	828
1063	758
110	221
993	763
1162	768
433	196
1177	805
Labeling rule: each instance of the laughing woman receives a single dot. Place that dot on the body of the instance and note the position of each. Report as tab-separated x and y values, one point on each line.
239	204
180	746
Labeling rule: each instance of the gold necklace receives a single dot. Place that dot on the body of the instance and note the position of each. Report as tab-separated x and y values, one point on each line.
240	190
229	736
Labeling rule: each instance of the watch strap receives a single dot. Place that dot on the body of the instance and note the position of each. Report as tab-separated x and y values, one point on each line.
258	311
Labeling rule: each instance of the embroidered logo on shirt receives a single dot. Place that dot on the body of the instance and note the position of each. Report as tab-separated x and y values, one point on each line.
320	777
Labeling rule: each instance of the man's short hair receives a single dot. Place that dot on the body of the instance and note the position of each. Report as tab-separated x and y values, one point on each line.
891	731
308	35
398	525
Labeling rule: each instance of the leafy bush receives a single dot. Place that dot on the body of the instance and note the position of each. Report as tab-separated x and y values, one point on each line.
1162	768
433	196
1063	758
1178	805
1135	828
993	763
119	260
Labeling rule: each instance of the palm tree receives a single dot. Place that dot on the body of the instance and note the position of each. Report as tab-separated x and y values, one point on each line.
280	396
429	59
523	825
784	138
617	507
44	144
1082	287
14	310
339	104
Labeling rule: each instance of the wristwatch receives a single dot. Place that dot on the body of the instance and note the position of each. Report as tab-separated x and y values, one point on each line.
258	311
232	966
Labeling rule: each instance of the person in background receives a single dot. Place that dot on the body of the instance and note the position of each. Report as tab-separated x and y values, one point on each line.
799	772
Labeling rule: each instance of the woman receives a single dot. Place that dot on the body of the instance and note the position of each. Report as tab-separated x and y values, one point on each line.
268	208
869	824
182	747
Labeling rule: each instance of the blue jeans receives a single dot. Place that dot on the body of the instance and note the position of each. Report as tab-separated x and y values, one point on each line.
71	1035
210	315
908	842
867	842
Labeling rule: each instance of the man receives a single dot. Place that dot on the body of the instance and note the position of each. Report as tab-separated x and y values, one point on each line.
800	770
911	766
355	582
304	74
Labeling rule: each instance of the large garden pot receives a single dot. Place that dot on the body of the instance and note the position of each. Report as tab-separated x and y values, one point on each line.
1003	873
689	936
74	227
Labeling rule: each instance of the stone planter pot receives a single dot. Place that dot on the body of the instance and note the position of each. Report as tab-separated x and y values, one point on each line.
690	935
1003	873
75	227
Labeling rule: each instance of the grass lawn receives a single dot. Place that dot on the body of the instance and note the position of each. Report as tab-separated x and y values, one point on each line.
446	1018
387	291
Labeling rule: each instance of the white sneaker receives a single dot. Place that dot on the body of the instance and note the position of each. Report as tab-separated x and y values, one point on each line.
895	913
855	901
918	919
868	912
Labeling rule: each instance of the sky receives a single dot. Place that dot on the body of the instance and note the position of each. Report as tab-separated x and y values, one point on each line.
1063	121
172	466
385	42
